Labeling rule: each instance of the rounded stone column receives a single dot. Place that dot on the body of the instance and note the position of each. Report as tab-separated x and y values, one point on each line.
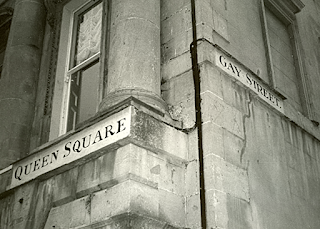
19	78
134	53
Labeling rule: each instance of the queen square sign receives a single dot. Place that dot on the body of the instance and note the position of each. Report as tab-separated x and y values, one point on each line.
77	146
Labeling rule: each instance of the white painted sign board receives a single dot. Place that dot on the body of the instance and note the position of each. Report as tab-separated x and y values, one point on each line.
237	71
77	146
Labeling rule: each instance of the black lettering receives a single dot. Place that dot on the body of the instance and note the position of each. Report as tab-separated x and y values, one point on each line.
249	79
271	97
45	161
98	135
223	63
17	174
36	164
230	66
26	169
259	88
67	149
254	84
84	140
108	130
237	70
77	146
277	102
121	124
265	94
54	155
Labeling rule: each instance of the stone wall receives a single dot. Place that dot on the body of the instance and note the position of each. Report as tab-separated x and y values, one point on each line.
261	165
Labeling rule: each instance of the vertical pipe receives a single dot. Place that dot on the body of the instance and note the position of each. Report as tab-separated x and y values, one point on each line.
197	81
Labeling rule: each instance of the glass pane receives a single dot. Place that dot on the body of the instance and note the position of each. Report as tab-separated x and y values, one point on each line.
88	36
88	99
83	100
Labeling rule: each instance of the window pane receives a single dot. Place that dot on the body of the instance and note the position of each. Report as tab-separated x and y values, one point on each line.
89	92
83	100
88	36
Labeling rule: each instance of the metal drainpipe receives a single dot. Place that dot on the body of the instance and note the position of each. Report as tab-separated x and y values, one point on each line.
196	79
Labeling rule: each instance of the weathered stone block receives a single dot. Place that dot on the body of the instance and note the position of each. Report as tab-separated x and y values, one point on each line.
235	94
88	177
128	196
184	112
113	201
193	211
172	178
169	8
234	149
193	153
220	25
65	185
141	162
170	208
225	177
206	54
192	178
70	215
178	23
81	212
204	13
175	67
43	203
239	213
6	212
211	79
294	157
217	213
123	161
213	139
107	162
297	183
130	220
143	166
217	111
313	183
157	136
267	169
176	46
23	205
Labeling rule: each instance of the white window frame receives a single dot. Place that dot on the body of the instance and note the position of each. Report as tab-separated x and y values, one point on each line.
60	102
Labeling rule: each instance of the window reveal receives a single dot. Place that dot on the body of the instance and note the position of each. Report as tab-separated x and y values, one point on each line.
284	70
285	64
